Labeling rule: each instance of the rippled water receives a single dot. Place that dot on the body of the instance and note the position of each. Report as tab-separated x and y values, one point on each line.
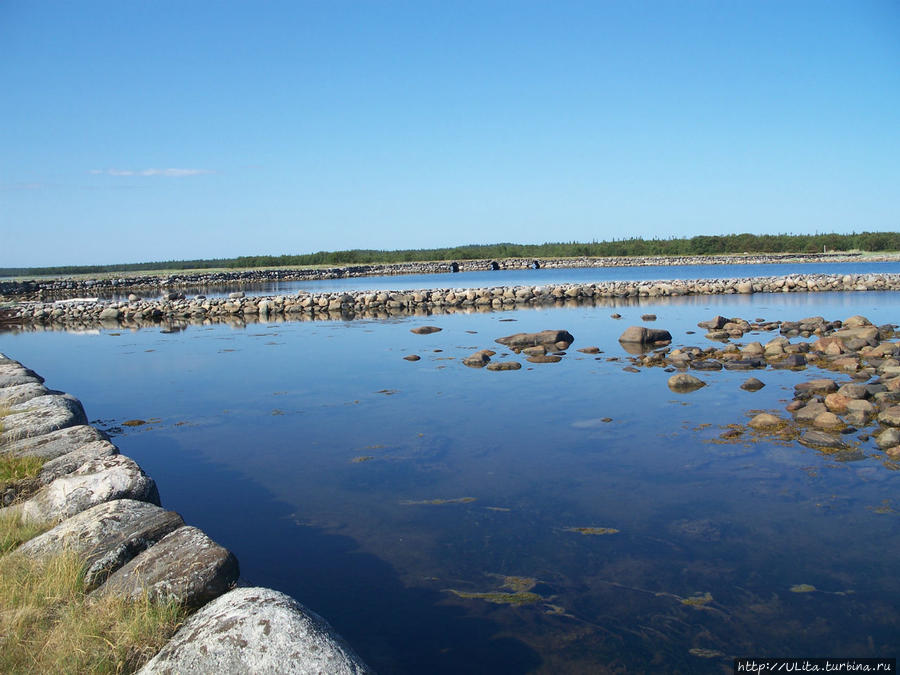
403	500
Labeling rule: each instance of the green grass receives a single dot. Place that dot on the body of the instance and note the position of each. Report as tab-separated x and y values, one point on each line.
13	469
48	624
13	532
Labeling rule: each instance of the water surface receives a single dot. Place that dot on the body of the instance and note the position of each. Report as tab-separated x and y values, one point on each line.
399	499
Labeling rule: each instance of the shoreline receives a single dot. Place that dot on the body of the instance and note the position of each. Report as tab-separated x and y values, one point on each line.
101	506
39	288
175	311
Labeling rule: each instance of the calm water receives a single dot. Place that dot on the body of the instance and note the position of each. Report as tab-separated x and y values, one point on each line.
314	452
530	277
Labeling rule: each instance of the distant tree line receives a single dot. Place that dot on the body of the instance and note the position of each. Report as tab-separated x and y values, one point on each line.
700	245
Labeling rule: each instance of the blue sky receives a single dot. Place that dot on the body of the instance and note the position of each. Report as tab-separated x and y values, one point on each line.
159	130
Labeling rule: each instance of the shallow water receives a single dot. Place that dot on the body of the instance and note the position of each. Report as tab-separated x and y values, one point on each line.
531	277
399	499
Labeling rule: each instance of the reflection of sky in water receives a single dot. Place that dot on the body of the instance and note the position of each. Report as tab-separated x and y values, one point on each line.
260	427
529	277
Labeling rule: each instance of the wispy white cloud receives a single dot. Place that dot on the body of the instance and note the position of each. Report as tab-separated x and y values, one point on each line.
172	173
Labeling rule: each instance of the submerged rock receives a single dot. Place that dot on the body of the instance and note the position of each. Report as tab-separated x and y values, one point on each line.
821	439
425	330
256	630
766	421
544	358
504	365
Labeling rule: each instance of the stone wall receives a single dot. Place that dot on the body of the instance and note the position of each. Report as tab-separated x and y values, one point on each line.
239	308
106	509
199	281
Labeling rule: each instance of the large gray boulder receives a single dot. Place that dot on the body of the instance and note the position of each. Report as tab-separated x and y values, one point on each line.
100	480
645	336
19	393
105	536
55	443
256	630
41	415
544	337
185	566
66	464
13	373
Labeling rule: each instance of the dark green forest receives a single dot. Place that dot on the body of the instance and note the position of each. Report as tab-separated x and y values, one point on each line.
700	245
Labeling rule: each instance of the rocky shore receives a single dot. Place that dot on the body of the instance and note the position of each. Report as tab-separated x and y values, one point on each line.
200	282
176	309
104	508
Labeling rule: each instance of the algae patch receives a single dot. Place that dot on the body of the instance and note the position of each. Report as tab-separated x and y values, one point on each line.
592	530
519	584
437	502
803	588
499	598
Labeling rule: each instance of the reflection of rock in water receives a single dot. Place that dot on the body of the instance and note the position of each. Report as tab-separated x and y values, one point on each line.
698	530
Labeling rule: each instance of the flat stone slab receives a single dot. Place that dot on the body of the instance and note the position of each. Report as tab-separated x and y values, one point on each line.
98	481
821	439
256	630
544	337
505	365
41	415
107	536
185	566
822	386
56	443
19	393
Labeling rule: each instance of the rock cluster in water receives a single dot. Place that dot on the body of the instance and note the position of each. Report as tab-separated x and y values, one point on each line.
238	307
863	398
107	510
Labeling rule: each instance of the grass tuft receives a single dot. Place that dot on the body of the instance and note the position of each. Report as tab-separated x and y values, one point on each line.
49	624
13	532
17	468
